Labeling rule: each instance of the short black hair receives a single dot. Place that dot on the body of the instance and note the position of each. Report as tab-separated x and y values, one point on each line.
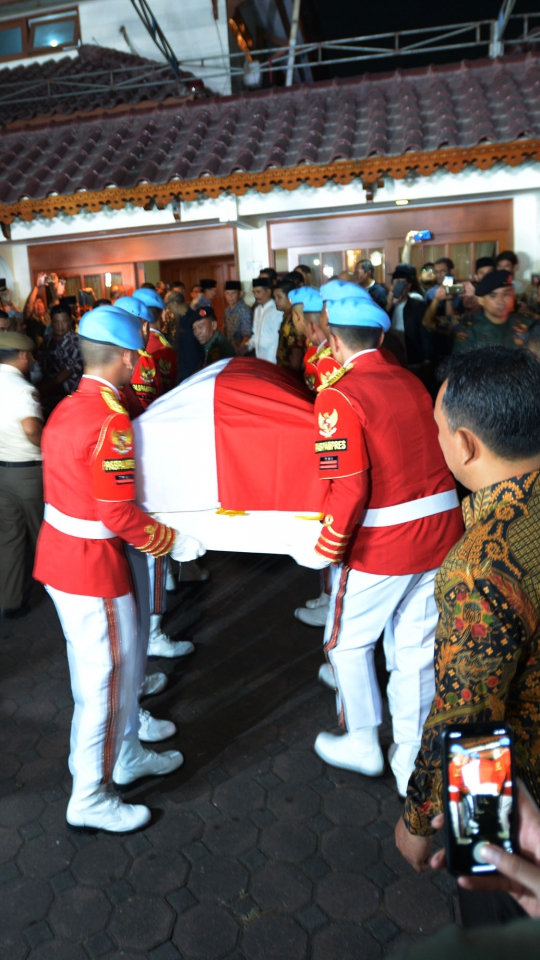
366	265
147	286
449	263
485	262
507	255
269	272
428	265
286	285
495	393
60	308
357	338
304	268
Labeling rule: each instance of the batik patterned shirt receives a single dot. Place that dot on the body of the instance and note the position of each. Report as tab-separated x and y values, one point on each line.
487	647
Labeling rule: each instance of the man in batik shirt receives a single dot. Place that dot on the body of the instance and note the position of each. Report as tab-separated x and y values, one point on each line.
487	651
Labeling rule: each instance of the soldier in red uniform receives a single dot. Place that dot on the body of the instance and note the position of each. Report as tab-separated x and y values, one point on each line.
392	515
145	385
158	345
90	513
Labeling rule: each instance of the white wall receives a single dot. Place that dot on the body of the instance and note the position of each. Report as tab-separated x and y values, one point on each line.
521	183
188	25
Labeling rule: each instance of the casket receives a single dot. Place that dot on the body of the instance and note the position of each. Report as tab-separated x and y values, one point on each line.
228	457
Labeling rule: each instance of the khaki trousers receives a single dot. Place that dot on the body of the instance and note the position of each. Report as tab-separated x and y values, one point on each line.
21	513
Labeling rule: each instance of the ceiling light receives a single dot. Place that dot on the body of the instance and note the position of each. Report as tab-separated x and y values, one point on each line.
328	270
316	262
376	258
401	203
53	43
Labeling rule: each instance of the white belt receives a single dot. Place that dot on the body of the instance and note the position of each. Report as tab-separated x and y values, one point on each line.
87	529
413	510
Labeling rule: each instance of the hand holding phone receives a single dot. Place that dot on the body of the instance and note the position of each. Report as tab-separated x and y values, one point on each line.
479	799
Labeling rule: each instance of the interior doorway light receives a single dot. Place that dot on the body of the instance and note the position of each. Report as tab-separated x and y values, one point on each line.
401	203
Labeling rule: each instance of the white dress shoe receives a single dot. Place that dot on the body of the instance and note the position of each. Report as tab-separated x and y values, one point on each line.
105	811
358	751
316	617
135	762
402	759
162	646
153	683
153	730
321	601
326	676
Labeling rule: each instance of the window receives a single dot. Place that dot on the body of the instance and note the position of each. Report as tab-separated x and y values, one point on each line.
37	35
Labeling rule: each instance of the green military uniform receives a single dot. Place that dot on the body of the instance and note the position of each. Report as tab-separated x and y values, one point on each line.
477	331
217	348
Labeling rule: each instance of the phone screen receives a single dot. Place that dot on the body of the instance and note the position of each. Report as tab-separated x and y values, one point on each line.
479	795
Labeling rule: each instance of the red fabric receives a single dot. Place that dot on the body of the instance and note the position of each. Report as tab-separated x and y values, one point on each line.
264	439
339	438
396	417
165	356
94	568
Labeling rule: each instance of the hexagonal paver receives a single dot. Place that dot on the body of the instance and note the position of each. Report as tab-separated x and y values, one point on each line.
10	841
19	808
230	838
281	887
158	872
293	801
42	773
78	913
347	848
174	830
141	922
23	901
45	856
204	932
214	878
101	862
297	766
12	945
287	841
275	938
350	807
417	906
347	896
59	950
238	796
345	941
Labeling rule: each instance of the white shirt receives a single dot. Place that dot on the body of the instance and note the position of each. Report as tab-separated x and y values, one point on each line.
266	323
19	401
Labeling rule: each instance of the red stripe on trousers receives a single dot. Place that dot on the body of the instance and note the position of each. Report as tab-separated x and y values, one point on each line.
113	694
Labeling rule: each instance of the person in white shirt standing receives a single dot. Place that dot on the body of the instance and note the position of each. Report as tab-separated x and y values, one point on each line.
21	485
266	321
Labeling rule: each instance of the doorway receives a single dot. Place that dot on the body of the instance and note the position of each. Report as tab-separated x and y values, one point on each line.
191	271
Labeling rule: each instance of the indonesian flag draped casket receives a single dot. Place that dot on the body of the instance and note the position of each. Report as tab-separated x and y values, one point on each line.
228	457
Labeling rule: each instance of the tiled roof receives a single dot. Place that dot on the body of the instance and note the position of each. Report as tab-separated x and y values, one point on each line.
386	115
98	77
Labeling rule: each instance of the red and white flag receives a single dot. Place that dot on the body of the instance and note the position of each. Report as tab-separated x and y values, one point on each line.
230	454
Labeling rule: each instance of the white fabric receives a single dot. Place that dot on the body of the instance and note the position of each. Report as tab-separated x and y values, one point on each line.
404	608
106	383
264	531
398	325
175	446
19	400
266	323
412	510
86	629
74	527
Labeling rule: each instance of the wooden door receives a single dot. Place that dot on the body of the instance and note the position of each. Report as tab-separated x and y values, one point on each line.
191	271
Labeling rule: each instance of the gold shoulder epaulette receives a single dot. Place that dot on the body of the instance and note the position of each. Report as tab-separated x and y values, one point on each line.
325	351
329	379
112	401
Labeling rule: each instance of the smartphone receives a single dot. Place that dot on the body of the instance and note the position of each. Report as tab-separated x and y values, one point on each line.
3	283
479	793
68	302
422	235
398	289
456	288
86	298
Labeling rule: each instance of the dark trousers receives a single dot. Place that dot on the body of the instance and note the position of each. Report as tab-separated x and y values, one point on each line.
21	513
487	908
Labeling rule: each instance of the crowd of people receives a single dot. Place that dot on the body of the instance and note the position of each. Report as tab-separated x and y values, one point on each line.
452	587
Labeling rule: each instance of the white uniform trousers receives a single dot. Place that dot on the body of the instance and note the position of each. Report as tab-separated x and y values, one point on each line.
101	645
362	606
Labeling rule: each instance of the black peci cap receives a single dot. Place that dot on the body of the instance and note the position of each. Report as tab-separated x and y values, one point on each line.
493	281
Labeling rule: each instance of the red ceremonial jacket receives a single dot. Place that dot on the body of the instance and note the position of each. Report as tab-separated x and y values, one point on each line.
145	385
165	356
376	441
319	364
89	474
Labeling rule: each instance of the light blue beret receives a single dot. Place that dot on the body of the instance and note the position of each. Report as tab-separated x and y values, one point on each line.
357	312
135	307
110	324
339	289
309	297
149	297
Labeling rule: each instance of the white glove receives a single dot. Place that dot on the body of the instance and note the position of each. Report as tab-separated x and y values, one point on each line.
308	557
186	548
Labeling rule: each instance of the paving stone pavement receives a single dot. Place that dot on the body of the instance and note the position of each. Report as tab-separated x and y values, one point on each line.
257	849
